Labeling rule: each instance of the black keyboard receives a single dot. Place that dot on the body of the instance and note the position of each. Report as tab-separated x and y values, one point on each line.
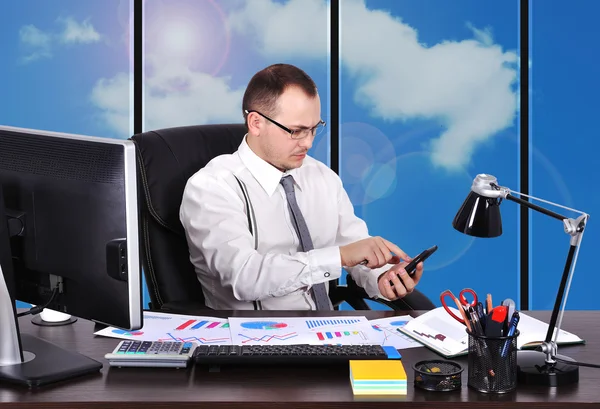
290	354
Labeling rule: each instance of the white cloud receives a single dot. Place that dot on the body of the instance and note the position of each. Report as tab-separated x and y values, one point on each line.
174	93
298	28
179	96
113	96
174	96
466	85
75	32
36	42
483	36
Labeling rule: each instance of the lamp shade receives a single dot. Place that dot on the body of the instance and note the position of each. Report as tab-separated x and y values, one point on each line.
479	216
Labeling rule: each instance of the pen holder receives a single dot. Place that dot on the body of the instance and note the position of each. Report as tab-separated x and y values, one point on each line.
492	363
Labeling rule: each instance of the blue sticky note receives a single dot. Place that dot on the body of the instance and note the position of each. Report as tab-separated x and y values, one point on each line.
392	352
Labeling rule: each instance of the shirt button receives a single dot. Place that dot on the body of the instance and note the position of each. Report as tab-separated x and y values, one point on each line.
327	274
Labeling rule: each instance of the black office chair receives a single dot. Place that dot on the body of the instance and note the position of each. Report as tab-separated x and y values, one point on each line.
167	158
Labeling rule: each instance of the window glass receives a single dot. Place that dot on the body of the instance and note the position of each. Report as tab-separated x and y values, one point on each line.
200	55
429	99
564	85
67	66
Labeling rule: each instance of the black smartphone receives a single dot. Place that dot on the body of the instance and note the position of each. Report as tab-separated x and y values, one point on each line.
412	266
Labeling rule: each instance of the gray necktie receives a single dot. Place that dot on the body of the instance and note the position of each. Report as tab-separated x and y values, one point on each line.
319	292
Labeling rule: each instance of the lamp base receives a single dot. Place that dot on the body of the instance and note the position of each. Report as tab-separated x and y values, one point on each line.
532	369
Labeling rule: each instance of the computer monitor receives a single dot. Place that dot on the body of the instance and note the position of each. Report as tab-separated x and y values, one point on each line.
68	241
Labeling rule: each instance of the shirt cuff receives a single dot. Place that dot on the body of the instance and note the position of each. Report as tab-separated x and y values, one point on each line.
325	264
370	284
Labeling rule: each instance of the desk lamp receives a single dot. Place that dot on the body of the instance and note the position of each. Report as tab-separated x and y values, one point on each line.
479	216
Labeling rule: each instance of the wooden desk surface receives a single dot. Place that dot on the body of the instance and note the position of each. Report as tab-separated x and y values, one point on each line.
304	388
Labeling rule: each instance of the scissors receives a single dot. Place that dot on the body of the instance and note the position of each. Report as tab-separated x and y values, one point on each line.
461	302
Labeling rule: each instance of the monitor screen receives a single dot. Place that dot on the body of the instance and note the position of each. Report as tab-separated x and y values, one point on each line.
71	203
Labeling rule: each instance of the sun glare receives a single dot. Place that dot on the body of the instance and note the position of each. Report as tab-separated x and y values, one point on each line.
188	34
178	38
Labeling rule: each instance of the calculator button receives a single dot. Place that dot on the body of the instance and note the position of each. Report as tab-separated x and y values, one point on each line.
154	348
134	347
144	347
124	347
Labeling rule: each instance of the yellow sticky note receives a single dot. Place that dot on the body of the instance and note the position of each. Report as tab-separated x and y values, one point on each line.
377	370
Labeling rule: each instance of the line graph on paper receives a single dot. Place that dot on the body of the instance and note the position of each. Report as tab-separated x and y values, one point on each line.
200	340
388	334
267	338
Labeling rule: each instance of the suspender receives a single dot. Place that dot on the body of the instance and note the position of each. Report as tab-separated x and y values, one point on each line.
242	186
251	224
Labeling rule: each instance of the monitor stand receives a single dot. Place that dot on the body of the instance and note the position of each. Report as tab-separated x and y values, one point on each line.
31	361
45	363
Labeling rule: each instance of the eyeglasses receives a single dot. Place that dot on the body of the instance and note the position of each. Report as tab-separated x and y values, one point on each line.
295	133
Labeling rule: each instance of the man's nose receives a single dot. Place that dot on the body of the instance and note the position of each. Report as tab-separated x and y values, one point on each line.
306	142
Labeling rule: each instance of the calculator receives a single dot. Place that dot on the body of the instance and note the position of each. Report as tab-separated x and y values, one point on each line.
170	354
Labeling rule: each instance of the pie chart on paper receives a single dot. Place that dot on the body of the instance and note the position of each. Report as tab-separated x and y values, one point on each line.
263	325
128	333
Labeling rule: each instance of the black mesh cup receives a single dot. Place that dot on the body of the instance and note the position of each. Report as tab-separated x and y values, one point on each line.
492	363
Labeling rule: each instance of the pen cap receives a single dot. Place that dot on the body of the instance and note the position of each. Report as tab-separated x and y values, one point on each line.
492	363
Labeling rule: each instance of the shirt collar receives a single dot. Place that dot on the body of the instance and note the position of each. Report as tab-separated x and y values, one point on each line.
267	175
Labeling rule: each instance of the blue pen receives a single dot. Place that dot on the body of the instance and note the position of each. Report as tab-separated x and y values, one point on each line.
511	331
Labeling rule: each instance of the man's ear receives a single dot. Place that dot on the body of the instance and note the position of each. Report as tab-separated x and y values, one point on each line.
254	123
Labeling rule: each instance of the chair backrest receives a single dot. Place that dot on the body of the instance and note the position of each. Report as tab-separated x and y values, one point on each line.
167	158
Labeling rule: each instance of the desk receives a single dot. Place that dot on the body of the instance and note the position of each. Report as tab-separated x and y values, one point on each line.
116	388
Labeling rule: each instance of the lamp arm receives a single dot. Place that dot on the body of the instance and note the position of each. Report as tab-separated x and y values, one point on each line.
575	229
505	192
535	207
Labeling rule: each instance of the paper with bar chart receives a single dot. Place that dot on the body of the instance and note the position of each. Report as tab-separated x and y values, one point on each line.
174	327
296	330
388	334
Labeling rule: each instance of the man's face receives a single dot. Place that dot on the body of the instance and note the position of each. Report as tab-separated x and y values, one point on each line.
296	111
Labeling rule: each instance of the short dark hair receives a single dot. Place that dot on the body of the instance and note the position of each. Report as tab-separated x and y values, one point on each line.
268	84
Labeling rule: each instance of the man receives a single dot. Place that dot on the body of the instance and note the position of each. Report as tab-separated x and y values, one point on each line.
269	226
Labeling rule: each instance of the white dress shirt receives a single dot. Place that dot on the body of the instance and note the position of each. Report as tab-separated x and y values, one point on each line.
264	269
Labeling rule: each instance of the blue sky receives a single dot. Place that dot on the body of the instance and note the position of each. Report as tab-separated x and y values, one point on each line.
53	55
428	100
564	144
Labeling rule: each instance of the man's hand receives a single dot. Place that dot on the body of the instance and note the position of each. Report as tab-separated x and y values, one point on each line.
396	283
376	251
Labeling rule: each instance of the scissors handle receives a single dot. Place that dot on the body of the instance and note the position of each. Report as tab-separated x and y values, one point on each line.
443	296
463	299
